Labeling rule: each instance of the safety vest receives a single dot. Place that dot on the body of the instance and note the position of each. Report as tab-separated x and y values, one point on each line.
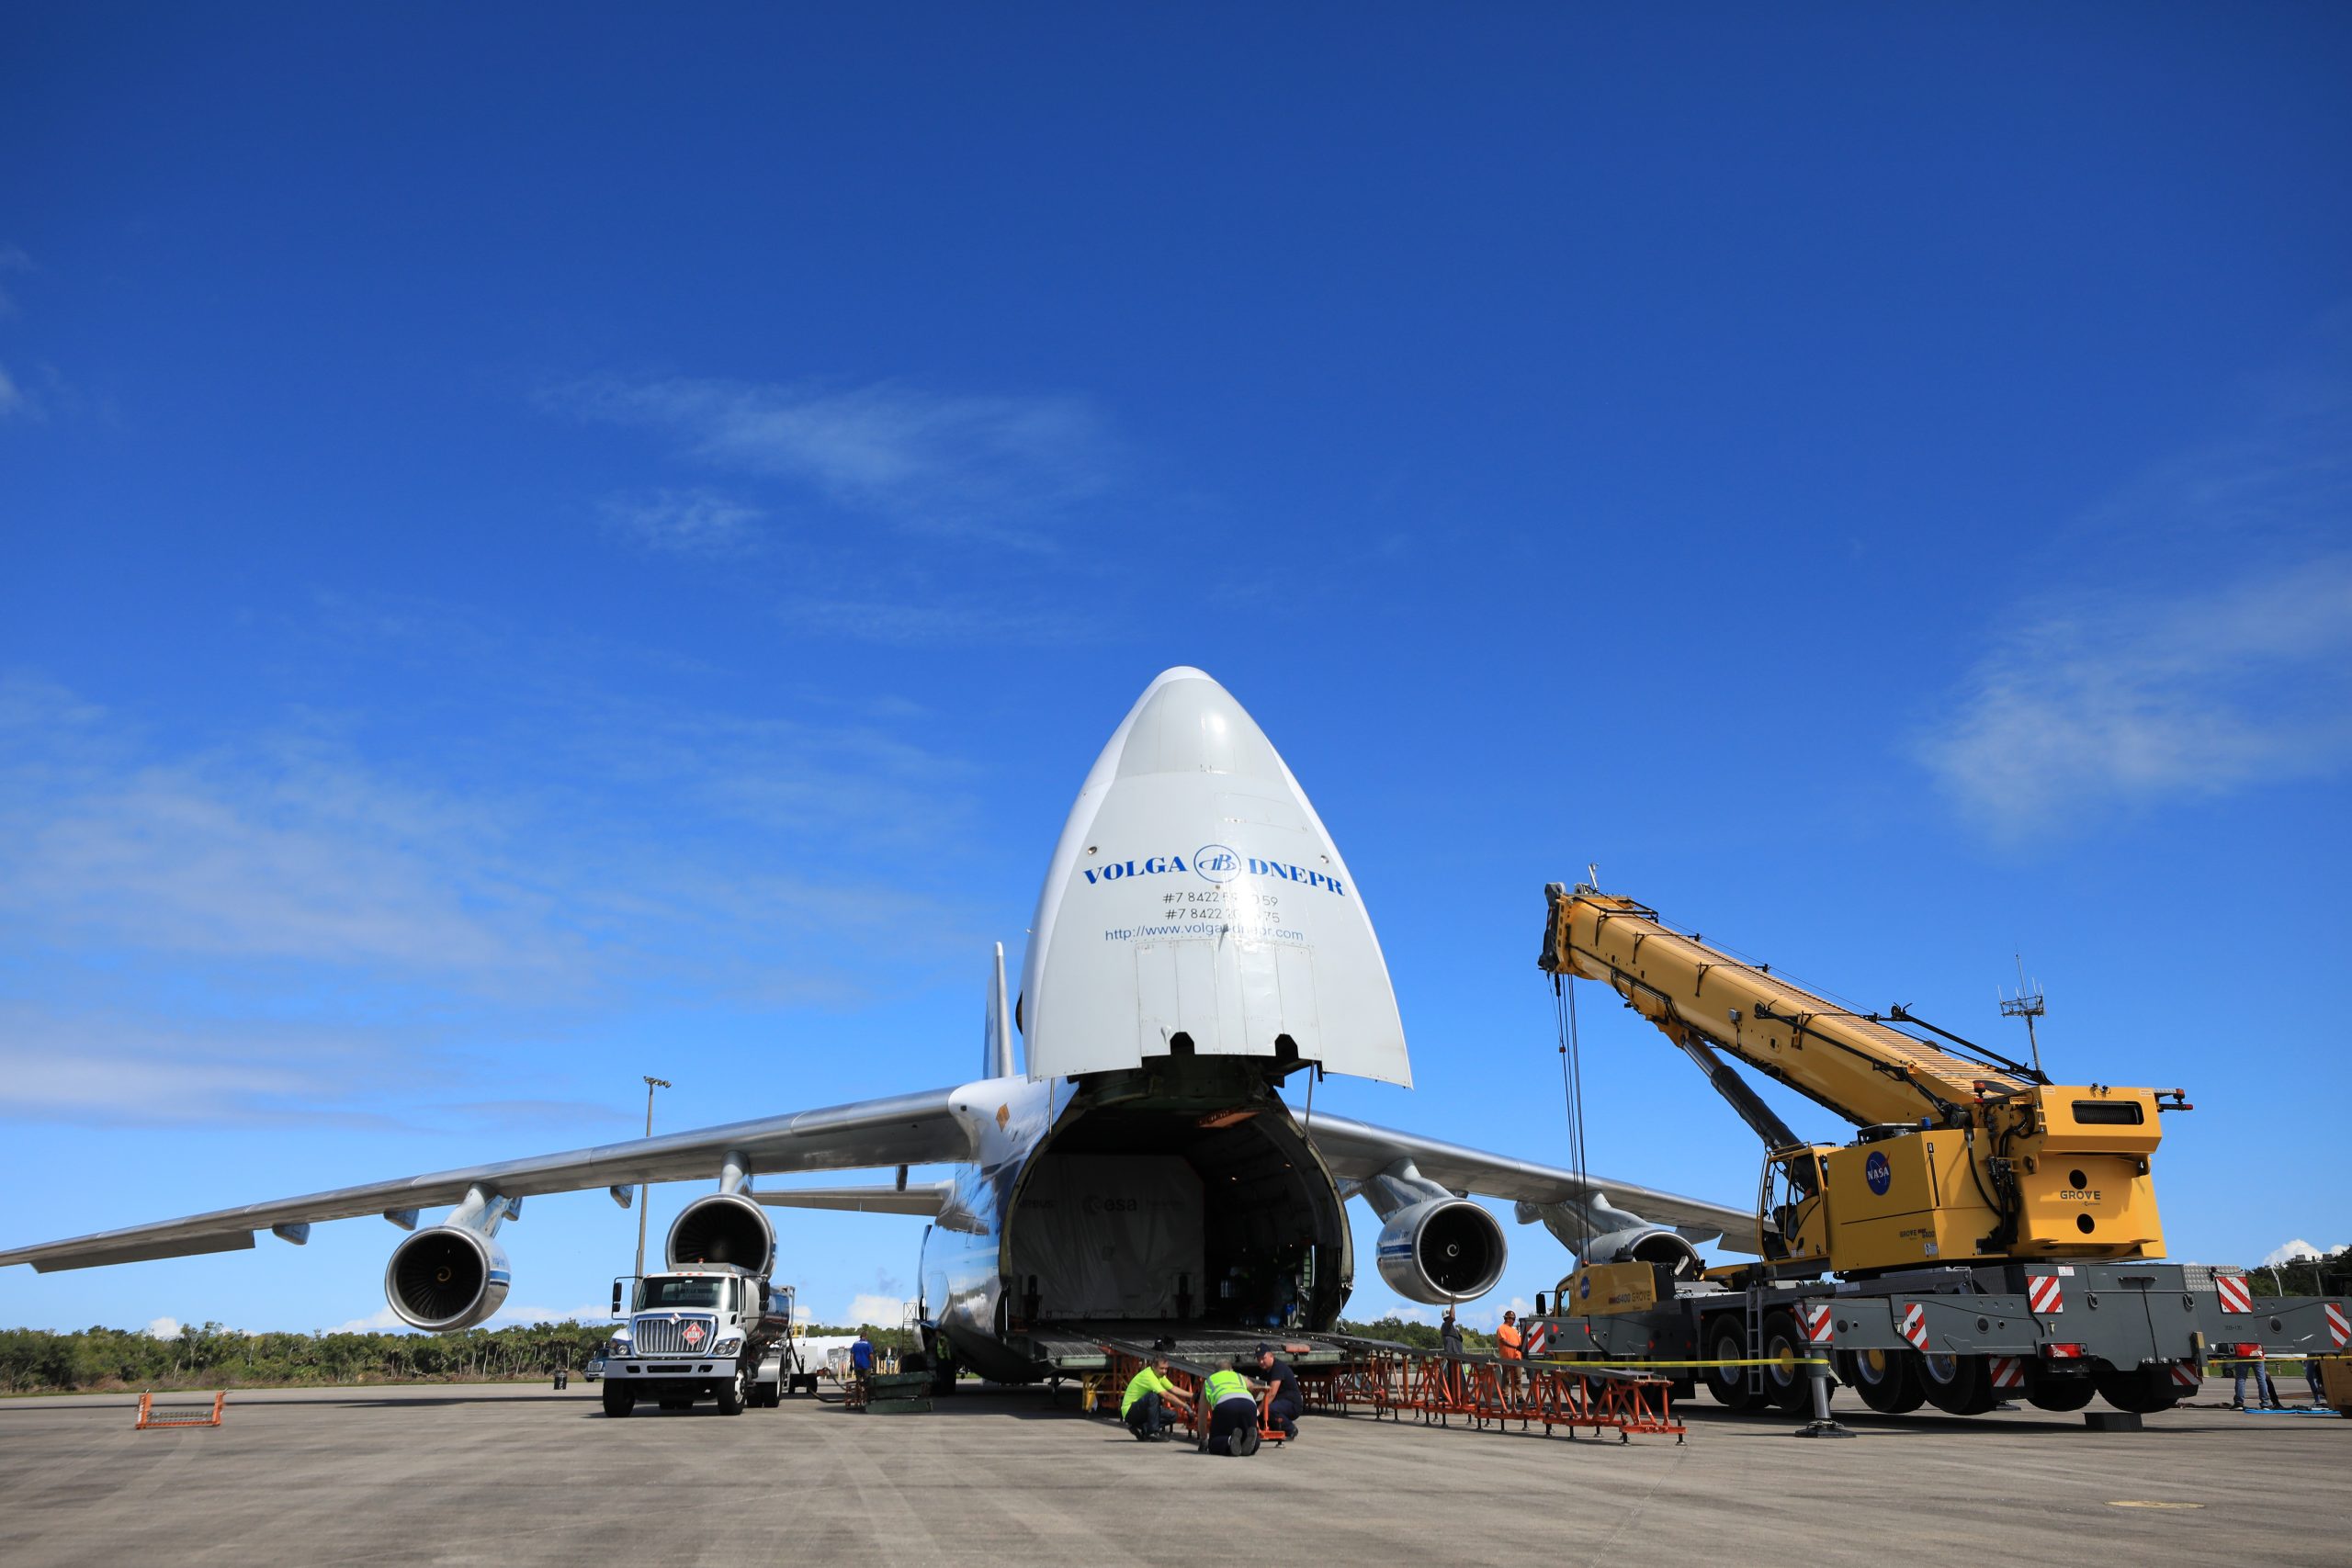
1224	1385
1143	1382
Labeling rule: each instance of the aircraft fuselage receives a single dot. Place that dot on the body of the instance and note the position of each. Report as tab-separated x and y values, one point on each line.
1178	1194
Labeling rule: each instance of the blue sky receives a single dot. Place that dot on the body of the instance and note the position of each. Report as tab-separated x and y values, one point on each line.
546	546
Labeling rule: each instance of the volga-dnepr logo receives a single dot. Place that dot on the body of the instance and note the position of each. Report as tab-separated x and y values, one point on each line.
1214	863
1217	863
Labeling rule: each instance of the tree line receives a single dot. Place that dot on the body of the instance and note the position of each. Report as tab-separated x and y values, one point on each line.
34	1360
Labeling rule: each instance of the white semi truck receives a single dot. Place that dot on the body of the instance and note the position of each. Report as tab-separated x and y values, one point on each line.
713	1331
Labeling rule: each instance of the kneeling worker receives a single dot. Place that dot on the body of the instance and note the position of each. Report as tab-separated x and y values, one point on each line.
1151	1403
1283	1409
1232	1400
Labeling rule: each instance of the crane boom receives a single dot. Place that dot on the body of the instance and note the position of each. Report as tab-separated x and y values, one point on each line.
1962	1154
1855	1064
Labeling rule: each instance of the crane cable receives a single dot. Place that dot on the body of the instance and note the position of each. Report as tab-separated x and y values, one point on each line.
1563	1010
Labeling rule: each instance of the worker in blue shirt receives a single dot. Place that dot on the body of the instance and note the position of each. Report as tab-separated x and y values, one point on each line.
1283	1407
860	1358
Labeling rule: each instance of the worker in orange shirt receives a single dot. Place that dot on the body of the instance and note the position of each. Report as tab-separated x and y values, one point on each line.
1508	1346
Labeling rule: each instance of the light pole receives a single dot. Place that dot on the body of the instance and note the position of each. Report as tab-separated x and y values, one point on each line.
645	1189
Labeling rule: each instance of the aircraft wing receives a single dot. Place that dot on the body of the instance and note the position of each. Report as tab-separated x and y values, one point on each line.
1356	1151
908	1129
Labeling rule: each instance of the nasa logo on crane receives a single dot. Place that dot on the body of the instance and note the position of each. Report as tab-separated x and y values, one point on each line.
1878	1173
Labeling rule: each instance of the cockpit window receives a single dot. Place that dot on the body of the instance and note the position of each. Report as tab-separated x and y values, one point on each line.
656	1295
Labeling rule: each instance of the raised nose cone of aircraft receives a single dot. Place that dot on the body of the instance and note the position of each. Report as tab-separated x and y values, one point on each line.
1195	905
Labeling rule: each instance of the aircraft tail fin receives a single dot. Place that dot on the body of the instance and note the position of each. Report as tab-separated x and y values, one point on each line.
997	1059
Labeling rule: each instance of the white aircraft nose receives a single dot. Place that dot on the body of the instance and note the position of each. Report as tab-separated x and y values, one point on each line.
1195	905
1185	722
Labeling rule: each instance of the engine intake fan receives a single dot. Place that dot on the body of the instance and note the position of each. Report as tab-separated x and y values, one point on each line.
1654	1245
722	1227
1439	1251
445	1279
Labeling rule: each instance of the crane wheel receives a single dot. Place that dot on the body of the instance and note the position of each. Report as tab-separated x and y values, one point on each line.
2047	1392
2142	1390
1959	1385
1726	1341
1885	1380
1786	1383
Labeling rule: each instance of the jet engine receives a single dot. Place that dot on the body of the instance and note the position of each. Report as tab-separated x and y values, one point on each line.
1441	1250
448	1278
1646	1243
722	1227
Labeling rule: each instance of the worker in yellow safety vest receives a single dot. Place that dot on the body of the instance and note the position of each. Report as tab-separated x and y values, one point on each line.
1151	1403
1232	1401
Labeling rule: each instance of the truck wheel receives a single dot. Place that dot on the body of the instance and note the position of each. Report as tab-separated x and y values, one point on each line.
1784	1381
2046	1391
2142	1390
734	1393
1885	1380
1726	1341
619	1400
1958	1385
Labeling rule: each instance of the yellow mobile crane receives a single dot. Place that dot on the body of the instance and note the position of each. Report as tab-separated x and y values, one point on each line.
1963	1154
1990	1231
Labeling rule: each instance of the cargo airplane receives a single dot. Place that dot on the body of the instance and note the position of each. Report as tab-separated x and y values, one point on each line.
1198	942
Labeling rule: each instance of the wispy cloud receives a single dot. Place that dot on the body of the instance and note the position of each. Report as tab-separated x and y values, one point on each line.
310	924
988	467
15	402
2128	698
882	1312
686	522
912	622
2204	648
524	1317
12	259
620	835
117	1067
2288	1252
284	849
383	1320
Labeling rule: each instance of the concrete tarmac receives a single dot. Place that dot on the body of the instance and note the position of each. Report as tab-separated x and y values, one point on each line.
523	1475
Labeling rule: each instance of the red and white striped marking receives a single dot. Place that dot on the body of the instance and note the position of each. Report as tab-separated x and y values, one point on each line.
2236	1294
1538	1336
1819	1324
2043	1293
2339	1329
2185	1374
2009	1372
1914	1326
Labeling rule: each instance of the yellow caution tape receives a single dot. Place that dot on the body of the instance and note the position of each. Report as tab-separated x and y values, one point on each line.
1638	1366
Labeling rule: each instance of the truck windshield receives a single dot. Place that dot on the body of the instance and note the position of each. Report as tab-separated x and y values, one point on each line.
654	1294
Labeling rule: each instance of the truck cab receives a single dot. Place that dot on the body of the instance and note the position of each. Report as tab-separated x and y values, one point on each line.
713	1332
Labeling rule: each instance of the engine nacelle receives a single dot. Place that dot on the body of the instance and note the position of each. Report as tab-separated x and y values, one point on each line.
1439	1251
722	1227
445	1279
1646	1243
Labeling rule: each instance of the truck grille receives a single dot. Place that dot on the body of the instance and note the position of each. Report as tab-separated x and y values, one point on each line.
663	1337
